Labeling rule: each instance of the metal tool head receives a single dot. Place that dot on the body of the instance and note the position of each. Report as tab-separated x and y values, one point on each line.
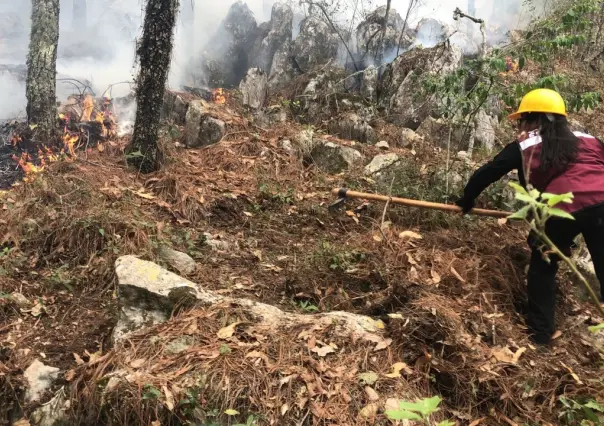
340	201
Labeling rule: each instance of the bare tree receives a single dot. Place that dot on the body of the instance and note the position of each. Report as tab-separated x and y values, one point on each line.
42	66
154	53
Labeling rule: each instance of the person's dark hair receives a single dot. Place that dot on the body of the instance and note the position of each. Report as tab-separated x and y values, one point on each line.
560	145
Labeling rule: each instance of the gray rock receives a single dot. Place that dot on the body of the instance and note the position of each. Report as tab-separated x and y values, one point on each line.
182	262
279	32
398	87
54	412
369	83
225	59
40	379
381	162
147	294
369	34
174	108
288	147
20	300
382	145
316	44
271	116
352	127
201	129
485	130
430	32
254	88
409	138
282	69
332	158
216	244
180	344
305	141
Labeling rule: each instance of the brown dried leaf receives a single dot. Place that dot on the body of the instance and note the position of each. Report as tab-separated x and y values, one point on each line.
435	277
557	335
503	354
382	345
371	394
410	235
169	398
227	332
22	422
78	359
477	422
259	355
572	373
396	370
322	352
70	375
411	259
138	363
369	412
518	354
456	274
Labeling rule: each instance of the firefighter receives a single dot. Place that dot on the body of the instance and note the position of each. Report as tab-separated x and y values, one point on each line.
554	160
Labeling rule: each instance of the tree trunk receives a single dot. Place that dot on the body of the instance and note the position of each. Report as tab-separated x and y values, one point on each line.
42	66
79	19
154	53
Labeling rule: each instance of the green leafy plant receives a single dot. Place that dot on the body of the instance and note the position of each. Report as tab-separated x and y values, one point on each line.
306	306
587	413
150	392
420	410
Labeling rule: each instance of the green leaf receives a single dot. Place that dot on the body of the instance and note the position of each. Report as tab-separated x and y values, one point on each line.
447	423
521	63
553	199
102	231
231	412
402	415
521	214
518	188
596	328
560	213
524	197
424	406
594	405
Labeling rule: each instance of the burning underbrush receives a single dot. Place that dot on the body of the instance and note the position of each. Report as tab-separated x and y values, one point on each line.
446	292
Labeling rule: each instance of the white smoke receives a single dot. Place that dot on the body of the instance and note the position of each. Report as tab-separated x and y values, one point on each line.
105	53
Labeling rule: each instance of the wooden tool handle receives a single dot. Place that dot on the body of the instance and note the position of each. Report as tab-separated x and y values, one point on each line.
417	203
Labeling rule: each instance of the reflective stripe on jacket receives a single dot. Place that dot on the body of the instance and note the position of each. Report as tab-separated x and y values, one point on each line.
584	178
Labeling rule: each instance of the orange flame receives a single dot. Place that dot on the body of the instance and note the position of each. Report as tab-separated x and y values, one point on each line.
88	106
219	96
26	164
69	142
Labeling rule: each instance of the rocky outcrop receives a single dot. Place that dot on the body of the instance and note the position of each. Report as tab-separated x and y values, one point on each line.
270	116
148	294
282	69
371	38
400	91
316	44
352	127
369	82
225	59
254	88
381	162
485	130
430	32
278	33
436	131
409	138
333	158
201	129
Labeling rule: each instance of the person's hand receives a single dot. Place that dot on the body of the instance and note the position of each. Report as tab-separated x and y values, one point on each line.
465	204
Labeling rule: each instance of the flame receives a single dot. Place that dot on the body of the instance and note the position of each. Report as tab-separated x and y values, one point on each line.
88	106
69	142
219	96
26	164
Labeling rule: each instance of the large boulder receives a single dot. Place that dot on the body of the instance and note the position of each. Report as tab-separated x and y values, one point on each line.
282	68
147	294
369	34
352	127
485	126
201	129
254	88
180	261
225	60
316	44
369	82
278	32
431	32
333	158
400	91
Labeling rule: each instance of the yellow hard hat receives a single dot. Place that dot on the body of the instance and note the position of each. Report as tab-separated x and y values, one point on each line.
541	100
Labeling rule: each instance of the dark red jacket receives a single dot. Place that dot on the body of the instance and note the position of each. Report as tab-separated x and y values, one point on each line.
584	178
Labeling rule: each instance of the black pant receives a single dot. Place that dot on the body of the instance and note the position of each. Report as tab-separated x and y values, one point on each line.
542	275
